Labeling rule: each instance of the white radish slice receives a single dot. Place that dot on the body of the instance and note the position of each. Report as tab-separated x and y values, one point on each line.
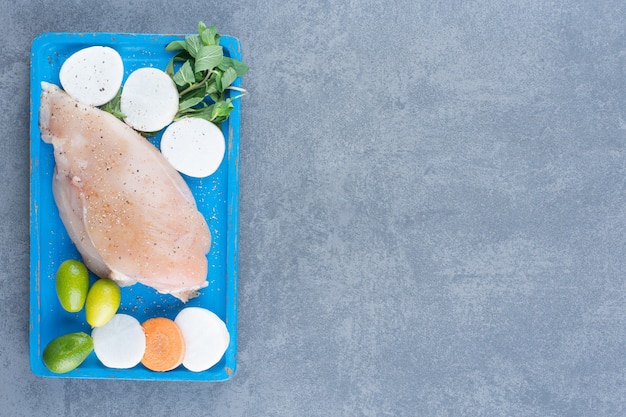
194	146
206	338
149	100
92	75
120	343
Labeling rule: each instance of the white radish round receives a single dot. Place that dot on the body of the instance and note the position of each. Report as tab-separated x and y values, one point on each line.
149	100
120	343
194	146
92	75
206	337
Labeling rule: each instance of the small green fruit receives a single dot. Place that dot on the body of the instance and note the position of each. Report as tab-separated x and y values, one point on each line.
67	352
102	303
72	285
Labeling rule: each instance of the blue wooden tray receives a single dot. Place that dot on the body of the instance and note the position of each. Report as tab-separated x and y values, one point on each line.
217	197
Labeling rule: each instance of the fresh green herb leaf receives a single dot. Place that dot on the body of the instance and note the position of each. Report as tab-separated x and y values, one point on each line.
208	57
176	46
228	77
238	66
211	88
209	36
193	44
169	68
218	82
201	27
193	98
113	106
216	112
148	134
179	57
204	76
189	103
185	75
221	110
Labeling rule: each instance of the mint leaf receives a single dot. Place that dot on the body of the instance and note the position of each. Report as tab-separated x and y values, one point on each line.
201	27
193	45
204	75
193	98
211	87
113	106
228	77
208	57
216	112
181	56
176	46
185	75
218	82
209	36
238	66
221	110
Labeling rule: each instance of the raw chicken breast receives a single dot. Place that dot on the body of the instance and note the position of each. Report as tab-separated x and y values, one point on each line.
131	215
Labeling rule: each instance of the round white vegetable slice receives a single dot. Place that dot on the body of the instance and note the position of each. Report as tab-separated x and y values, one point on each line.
92	75
120	343
149	100
194	146
206	338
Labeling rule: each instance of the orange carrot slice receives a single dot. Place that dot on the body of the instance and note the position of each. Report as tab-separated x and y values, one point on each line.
165	345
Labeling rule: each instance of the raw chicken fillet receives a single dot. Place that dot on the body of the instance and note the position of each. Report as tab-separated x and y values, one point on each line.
129	212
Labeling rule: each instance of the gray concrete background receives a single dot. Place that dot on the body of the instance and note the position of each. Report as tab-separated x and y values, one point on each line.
432	209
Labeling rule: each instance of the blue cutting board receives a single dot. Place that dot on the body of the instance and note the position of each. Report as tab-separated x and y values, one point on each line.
217	197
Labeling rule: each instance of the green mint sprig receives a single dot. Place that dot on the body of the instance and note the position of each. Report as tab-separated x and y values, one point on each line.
200	71
113	106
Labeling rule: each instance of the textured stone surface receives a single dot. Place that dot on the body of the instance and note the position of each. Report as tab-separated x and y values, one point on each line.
432	210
